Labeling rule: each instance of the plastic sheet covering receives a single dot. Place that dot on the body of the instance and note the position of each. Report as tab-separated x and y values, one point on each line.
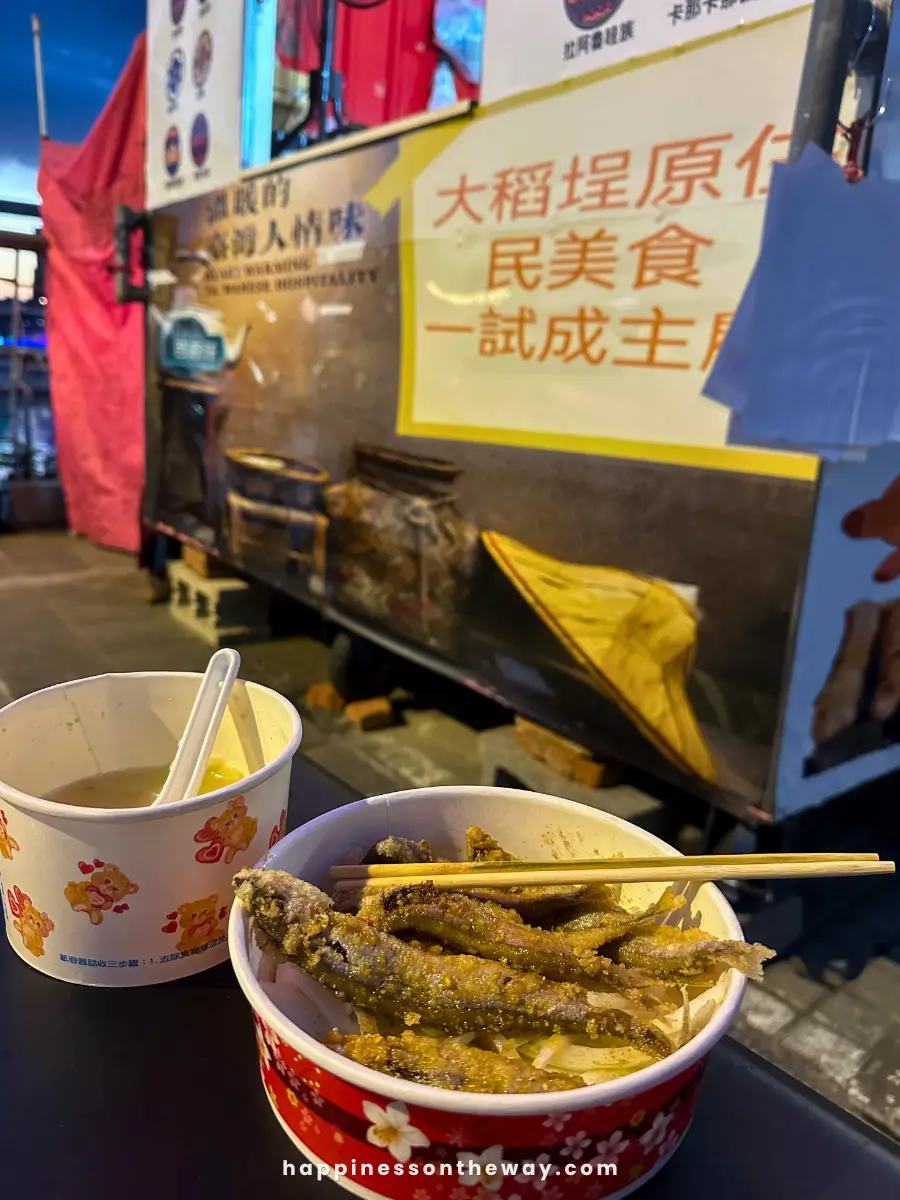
634	635
459	32
96	347
443	89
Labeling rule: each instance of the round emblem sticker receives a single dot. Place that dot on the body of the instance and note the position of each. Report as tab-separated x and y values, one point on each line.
200	139
174	77
202	59
590	14
173	151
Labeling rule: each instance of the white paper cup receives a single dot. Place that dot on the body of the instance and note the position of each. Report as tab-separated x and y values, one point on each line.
122	897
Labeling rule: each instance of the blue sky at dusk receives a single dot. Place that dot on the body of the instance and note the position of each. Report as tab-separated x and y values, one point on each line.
86	44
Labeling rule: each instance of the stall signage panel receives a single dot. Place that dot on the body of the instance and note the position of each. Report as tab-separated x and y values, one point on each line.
563	39
841	723
188	349
574	274
194	83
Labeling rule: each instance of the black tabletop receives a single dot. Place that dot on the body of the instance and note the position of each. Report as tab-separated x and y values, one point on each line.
146	1093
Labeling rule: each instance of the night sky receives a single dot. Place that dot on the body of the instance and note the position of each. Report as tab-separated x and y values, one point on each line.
86	44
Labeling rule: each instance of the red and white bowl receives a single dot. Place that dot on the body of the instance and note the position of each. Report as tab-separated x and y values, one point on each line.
406	1141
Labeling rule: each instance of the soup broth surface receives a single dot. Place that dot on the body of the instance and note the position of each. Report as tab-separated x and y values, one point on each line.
135	787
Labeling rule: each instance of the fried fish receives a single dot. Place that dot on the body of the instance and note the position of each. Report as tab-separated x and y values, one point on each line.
469	926
688	955
395	849
376	971
610	925
445	1063
532	903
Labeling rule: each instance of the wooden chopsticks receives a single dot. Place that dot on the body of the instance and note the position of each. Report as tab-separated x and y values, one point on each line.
450	876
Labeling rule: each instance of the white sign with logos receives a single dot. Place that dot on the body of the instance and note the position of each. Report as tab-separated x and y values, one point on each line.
195	68
562	39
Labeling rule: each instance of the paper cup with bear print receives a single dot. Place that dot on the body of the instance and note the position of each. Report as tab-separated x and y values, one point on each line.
129	896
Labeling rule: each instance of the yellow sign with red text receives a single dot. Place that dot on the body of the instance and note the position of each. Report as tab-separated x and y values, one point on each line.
573	258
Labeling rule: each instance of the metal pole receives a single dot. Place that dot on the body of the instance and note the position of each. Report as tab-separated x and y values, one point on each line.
327	44
39	76
14	369
833	30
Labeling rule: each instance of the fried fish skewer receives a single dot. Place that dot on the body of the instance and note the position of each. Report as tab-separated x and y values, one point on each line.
610	925
532	903
444	1063
685	955
468	925
376	971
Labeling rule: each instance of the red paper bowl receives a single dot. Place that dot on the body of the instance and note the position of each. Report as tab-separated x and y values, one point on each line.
407	1141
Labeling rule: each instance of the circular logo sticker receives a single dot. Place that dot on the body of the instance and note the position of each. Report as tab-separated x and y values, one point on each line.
589	14
177	8
202	59
174	77
173	151
200	139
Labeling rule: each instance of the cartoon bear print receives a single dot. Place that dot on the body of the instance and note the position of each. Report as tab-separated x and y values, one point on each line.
226	834
198	922
33	925
106	889
278	831
8	844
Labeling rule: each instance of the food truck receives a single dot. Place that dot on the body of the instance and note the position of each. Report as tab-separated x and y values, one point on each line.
442	381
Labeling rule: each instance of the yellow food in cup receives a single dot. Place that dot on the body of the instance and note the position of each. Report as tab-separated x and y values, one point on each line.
137	787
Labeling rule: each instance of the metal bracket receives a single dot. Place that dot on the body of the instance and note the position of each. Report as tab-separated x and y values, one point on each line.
128	223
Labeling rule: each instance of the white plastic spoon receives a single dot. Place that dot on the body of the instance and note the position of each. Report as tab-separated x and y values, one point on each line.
192	756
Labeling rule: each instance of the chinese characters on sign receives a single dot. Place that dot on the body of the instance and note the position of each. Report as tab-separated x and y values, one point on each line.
693	10
587	43
578	258
261	240
624	32
677	174
677	171
266	229
134	962
563	39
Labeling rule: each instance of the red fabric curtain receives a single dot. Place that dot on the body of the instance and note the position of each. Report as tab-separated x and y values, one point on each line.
386	54
96	347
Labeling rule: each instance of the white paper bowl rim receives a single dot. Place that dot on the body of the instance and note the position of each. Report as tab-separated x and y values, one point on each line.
49	808
475	1103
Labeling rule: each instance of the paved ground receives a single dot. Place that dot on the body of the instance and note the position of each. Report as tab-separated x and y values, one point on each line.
828	1010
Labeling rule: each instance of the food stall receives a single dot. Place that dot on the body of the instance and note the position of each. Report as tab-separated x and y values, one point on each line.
441	380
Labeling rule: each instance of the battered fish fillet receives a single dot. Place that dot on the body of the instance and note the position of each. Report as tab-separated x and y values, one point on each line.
392	849
481	847
399	850
443	1063
468	925
532	903
369	969
689	954
610	925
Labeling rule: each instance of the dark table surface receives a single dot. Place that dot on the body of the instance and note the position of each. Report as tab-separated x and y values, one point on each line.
146	1093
